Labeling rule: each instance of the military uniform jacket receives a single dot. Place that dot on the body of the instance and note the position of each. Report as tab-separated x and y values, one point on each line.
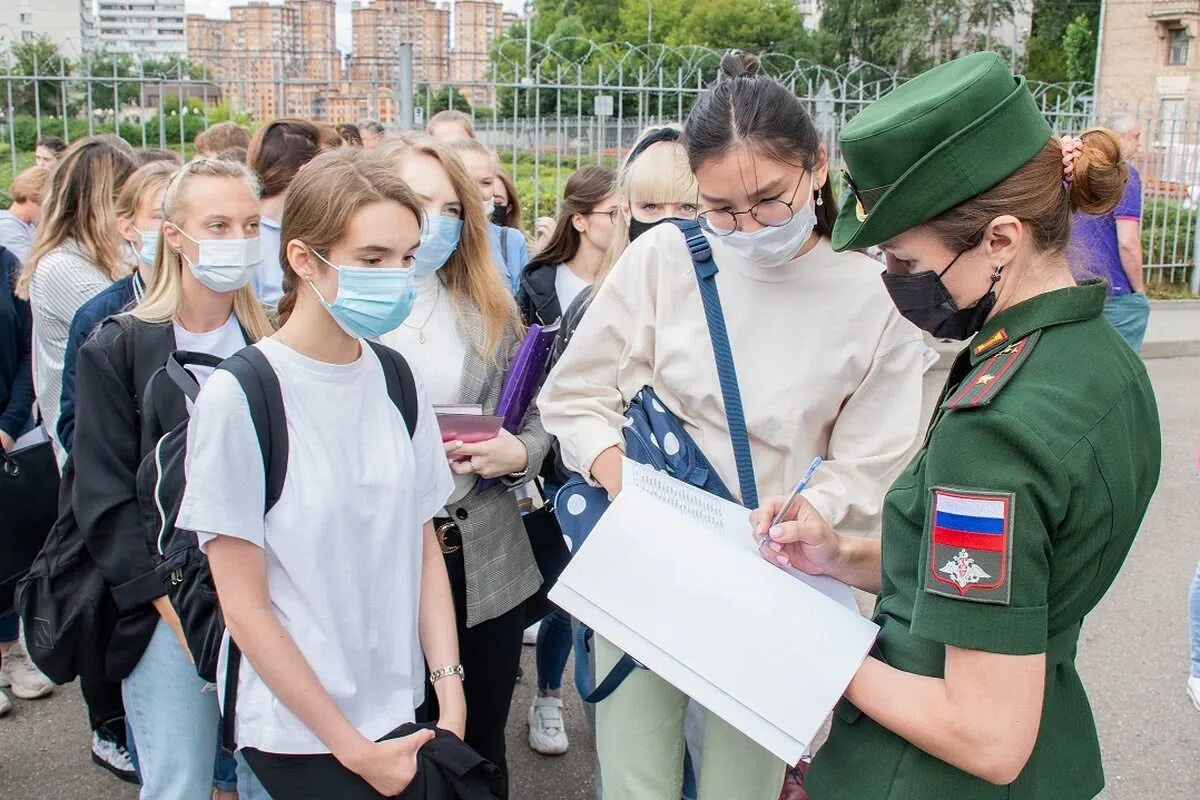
1002	534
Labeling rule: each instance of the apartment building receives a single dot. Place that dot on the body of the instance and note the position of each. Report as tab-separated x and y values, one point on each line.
1147	61
59	20
381	26
477	25
140	28
270	60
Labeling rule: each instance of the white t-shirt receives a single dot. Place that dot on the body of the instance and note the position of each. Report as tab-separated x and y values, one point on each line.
344	543
221	342
433	345
567	285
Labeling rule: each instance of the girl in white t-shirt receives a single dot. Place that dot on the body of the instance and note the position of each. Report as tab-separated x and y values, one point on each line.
337	592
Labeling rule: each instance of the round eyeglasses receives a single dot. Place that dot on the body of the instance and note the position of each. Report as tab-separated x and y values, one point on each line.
768	213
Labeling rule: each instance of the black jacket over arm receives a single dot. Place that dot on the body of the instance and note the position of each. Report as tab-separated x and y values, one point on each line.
110	442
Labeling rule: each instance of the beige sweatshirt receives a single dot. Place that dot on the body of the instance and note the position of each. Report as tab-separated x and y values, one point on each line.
825	364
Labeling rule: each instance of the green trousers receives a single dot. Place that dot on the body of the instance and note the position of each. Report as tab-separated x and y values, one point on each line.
640	741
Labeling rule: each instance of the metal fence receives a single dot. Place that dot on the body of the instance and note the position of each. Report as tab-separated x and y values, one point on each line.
549	109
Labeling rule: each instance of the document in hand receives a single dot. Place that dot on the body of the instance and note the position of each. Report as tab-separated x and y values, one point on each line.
525	374
670	575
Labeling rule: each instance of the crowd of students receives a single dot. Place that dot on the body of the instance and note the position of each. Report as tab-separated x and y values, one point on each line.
376	591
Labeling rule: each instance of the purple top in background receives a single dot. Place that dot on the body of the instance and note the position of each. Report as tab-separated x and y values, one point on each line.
1094	251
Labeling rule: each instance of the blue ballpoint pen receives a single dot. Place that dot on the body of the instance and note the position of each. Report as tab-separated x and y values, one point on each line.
787	507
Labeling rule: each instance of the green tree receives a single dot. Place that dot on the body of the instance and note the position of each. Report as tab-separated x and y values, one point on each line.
1045	58
113	67
440	98
38	57
913	35
1079	49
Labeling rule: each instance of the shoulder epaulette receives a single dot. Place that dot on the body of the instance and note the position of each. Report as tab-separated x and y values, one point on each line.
986	380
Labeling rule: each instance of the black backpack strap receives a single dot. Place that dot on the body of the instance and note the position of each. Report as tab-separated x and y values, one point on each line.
504	245
401	385
261	385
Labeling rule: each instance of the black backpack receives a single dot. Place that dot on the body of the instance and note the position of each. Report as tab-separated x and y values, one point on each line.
160	483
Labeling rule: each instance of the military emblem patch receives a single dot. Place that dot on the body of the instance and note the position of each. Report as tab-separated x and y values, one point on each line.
970	545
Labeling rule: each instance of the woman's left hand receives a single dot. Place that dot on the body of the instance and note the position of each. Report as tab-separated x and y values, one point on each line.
494	458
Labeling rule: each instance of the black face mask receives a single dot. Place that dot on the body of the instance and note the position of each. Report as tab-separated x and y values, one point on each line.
637	227
500	215
924	300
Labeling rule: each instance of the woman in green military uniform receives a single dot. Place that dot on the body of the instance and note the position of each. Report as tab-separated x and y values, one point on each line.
1015	516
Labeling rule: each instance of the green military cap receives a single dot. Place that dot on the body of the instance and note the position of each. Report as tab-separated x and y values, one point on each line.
942	138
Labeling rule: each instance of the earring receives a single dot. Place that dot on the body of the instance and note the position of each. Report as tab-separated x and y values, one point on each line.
996	272
820	200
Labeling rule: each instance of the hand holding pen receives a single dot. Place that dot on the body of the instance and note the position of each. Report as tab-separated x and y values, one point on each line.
794	532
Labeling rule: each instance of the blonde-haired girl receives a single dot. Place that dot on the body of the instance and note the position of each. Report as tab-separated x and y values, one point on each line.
198	300
77	253
462	333
139	221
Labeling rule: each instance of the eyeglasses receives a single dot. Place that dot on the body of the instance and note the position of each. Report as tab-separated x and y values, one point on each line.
769	213
610	213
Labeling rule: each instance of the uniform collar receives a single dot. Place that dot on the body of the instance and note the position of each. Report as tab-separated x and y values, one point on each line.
1059	307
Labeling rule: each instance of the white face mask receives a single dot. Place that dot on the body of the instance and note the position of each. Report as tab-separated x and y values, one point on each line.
774	247
488	208
225	265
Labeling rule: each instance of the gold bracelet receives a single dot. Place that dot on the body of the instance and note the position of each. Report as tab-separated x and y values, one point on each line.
446	672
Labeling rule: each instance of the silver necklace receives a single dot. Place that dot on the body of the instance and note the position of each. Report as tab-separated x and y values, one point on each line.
420	329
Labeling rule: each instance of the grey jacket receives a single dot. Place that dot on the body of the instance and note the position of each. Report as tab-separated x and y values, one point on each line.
500	569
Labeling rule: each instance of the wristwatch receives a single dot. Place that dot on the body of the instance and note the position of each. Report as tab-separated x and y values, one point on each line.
446	672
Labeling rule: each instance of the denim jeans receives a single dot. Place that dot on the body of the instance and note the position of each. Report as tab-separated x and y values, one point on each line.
1194	613
9	627
553	650
1129	314
176	723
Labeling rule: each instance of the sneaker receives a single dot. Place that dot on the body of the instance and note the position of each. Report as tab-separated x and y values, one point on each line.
5	704
547	732
113	757
1194	690
18	671
529	639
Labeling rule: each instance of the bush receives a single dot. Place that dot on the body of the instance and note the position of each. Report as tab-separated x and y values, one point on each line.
1168	232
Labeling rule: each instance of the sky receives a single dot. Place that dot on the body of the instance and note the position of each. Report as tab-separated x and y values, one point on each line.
220	9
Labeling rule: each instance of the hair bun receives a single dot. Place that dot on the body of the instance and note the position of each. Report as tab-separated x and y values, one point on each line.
739	64
1099	173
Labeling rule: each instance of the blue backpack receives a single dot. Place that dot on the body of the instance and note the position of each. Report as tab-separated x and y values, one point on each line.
653	436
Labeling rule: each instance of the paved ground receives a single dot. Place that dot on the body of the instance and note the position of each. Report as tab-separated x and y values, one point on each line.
1133	658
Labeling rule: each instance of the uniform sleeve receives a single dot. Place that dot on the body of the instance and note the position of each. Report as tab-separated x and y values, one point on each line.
581	403
873	435
994	494
226	480
435	480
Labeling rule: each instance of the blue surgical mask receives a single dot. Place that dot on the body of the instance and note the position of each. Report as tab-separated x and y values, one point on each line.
371	301
149	247
439	239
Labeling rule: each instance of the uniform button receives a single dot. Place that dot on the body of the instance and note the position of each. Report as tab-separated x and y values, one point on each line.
461	513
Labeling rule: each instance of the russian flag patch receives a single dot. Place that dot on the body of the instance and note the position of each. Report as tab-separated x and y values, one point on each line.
970	545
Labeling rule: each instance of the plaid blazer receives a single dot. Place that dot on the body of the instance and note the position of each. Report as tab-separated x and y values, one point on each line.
500	568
